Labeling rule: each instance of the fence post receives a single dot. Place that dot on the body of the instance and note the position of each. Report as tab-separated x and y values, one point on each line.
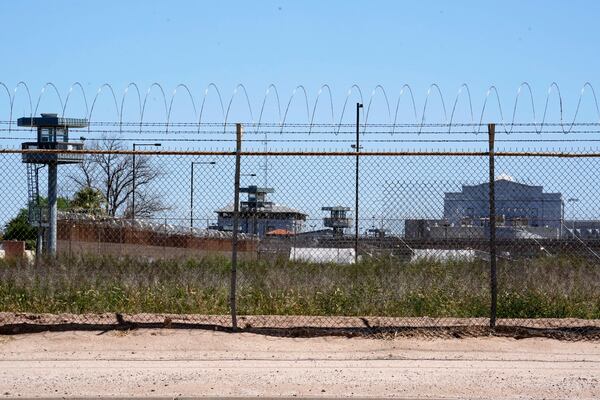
236	224
357	181
52	208
492	201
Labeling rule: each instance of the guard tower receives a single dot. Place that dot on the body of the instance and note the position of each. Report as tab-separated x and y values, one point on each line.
52	134
261	217
255	208
337	219
257	198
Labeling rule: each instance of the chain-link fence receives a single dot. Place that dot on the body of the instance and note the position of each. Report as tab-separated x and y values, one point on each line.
155	238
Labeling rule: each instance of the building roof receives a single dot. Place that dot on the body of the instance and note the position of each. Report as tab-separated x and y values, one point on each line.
256	189
505	181
280	232
318	232
502	182
52	120
274	209
335	208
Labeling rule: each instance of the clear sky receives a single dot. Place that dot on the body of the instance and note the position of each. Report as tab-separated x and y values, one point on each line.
287	43
305	42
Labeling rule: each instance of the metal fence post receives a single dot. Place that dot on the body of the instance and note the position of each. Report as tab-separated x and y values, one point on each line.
357	181
492	201
236	224
52	208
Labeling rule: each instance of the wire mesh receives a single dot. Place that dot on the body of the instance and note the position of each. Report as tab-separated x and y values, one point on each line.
416	257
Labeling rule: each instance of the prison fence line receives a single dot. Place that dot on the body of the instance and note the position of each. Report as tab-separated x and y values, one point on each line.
240	155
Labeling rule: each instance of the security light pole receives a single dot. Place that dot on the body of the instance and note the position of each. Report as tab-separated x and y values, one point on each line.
192	187
133	177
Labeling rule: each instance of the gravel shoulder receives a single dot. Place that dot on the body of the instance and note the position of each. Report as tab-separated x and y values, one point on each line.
194	363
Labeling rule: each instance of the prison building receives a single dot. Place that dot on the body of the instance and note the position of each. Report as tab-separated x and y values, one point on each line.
258	216
522	211
517	205
582	229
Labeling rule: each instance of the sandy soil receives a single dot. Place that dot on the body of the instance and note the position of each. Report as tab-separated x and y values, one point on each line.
171	363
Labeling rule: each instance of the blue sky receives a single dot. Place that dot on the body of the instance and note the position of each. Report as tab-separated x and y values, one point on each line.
305	42
287	43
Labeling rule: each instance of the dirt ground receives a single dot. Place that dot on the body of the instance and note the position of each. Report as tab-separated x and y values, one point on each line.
190	363
26	322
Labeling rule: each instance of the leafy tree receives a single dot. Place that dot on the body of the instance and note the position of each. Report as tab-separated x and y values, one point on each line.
112	175
88	200
19	227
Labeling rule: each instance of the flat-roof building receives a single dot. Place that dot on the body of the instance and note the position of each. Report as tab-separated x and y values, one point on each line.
258	216
521	211
517	204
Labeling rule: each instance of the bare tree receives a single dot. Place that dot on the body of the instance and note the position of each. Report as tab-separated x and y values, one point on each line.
112	175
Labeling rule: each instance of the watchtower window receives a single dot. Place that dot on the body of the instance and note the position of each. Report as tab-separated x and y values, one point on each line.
46	135
62	135
53	135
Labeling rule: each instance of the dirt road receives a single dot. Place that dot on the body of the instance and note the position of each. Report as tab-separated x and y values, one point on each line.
171	363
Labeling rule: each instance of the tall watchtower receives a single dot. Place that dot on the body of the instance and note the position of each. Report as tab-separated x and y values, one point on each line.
337	219
52	134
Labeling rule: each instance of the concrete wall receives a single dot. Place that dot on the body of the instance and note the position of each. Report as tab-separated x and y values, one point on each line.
13	249
101	238
74	247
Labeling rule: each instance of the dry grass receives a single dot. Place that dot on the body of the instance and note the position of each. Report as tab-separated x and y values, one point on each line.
540	288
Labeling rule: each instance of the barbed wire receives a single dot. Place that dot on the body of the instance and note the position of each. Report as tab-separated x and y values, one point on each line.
332	141
317	125
301	132
353	93
572	153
